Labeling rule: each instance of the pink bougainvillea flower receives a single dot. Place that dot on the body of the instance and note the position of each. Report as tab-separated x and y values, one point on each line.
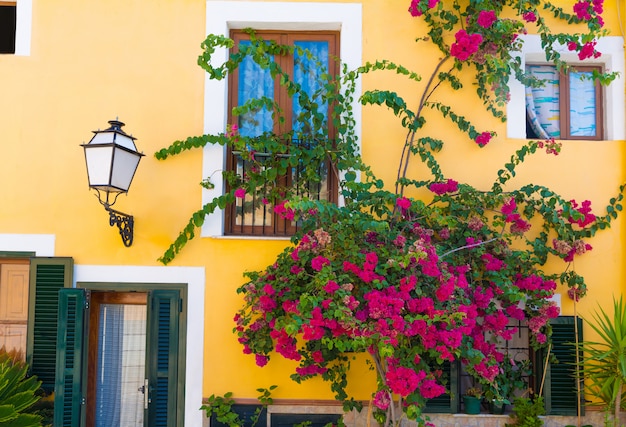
581	9
317	356
529	16
381	399
284	212
331	287
240	193
450	186
416	10
483	139
261	360
486	18
466	45
588	51
509	207
319	262
403	203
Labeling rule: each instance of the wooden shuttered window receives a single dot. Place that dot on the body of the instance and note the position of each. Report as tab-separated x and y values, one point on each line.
47	276
560	386
446	403
253	215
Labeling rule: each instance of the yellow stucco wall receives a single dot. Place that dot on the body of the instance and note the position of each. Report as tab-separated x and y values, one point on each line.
92	61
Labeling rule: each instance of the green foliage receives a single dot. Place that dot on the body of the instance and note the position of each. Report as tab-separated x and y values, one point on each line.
526	412
604	361
222	407
18	393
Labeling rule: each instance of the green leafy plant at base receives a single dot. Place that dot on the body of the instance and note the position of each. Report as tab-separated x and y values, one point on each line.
222	407
604	361
526	412
18	393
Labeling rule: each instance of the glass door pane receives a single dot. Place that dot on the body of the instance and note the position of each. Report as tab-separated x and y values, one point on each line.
120	370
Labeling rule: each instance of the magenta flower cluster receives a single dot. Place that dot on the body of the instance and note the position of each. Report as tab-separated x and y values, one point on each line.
465	45
409	304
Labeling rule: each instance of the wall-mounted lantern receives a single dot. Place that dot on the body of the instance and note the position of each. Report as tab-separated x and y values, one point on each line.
112	159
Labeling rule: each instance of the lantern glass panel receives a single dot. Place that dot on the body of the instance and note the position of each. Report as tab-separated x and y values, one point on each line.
99	165
124	167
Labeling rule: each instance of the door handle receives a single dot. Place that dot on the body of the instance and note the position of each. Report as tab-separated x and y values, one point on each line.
145	389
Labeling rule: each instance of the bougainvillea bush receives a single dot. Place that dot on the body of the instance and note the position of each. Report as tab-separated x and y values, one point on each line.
411	281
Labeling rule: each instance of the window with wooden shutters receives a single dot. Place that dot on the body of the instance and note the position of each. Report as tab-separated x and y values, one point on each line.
254	215
446	403
560	386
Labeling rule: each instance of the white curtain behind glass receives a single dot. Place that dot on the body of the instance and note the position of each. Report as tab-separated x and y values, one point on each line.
582	104
120	365
542	103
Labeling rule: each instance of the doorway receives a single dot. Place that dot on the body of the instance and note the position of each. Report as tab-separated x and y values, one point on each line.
120	357
117	364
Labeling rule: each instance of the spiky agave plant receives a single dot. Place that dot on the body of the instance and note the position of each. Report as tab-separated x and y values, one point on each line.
18	393
604	361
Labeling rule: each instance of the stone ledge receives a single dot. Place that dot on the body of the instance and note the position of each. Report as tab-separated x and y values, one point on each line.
594	418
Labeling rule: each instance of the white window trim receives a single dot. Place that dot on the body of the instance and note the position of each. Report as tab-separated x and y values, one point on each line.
195	279
221	17
612	59
23	26
40	244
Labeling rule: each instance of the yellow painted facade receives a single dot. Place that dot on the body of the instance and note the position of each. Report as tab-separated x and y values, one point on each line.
93	61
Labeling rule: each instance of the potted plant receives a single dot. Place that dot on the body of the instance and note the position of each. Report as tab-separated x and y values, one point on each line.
471	400
511	377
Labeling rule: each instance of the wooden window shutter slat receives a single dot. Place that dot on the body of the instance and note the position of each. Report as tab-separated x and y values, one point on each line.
446	402
560	388
47	277
162	357
71	359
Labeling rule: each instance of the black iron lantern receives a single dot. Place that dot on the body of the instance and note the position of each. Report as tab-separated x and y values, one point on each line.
112	159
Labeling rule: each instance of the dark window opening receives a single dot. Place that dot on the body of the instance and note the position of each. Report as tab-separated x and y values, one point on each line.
8	20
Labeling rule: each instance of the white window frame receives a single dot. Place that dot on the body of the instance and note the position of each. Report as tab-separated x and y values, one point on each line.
612	59
194	277
221	17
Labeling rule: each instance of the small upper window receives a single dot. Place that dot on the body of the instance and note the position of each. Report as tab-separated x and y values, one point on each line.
568	106
8	25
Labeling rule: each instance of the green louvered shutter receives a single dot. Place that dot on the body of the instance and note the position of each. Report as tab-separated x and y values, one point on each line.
560	390
446	402
47	276
164	307
69	392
